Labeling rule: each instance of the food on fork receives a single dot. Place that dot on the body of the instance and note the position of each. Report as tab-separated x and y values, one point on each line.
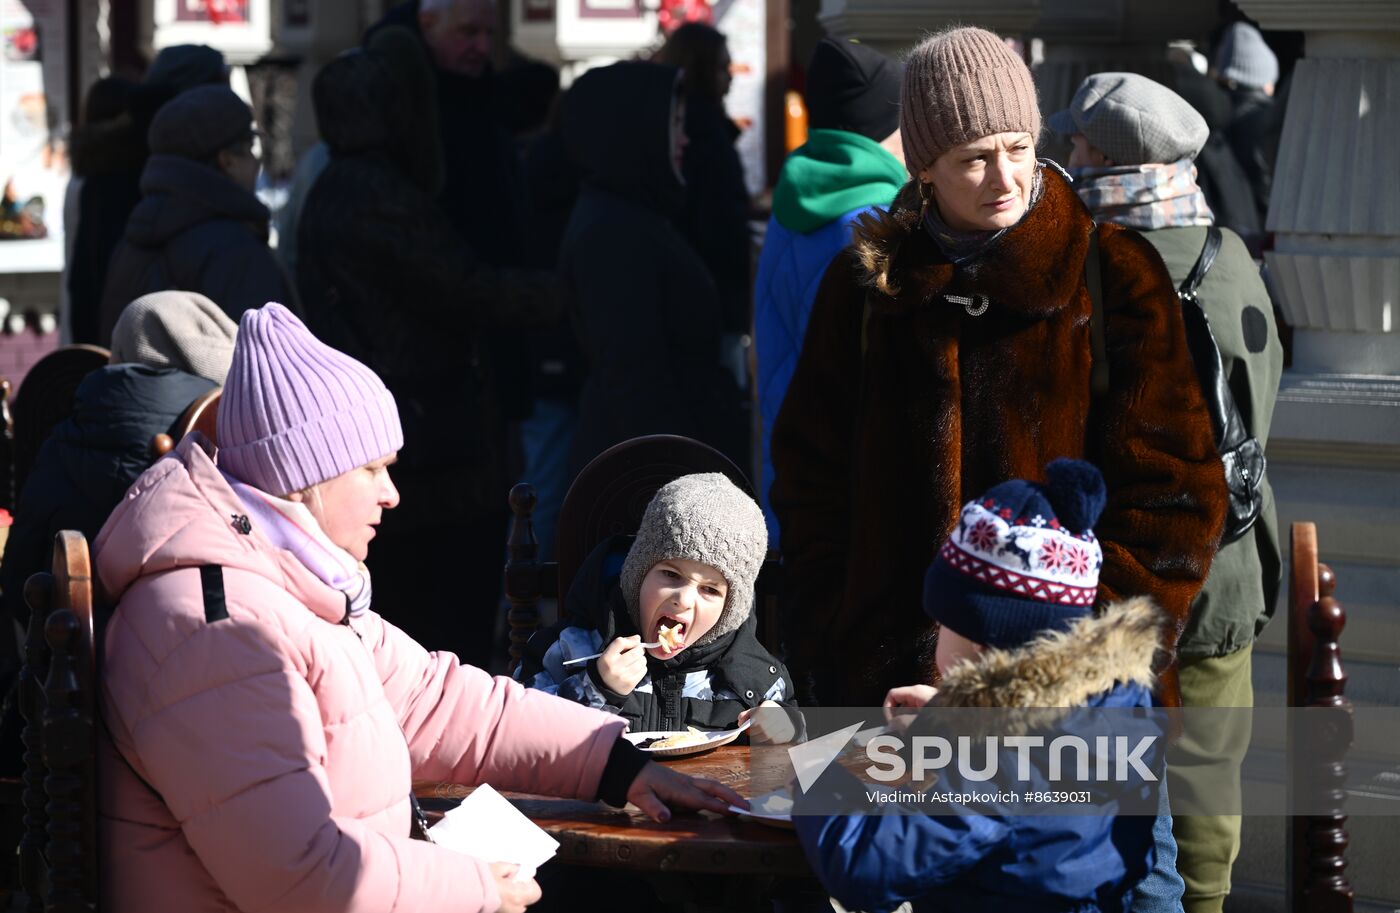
670	637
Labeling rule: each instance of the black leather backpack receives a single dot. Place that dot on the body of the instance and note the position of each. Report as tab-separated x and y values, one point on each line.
1241	453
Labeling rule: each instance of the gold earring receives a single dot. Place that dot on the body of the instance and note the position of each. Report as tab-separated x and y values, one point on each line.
925	197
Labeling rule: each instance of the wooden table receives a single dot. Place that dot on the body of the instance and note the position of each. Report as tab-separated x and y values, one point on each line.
591	833
768	859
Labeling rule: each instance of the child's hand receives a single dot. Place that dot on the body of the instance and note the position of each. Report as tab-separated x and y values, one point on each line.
623	664
772	728
515	895
911	696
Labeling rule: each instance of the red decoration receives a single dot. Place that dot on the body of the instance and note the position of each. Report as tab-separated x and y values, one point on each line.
676	13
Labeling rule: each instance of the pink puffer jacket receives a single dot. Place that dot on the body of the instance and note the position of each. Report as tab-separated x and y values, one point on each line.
277	744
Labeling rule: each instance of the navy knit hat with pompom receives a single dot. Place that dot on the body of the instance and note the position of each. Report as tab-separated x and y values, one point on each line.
1023	558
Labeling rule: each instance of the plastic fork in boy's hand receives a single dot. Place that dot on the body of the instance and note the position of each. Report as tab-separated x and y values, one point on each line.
583	659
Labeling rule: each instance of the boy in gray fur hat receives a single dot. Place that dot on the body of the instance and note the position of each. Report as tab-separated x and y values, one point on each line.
690	570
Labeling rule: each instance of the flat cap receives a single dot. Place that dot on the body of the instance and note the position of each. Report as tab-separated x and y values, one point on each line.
1133	120
198	123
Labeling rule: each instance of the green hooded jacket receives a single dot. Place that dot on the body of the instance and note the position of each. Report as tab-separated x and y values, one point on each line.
831	174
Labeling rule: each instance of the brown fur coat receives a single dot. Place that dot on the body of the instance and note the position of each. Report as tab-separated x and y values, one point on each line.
875	451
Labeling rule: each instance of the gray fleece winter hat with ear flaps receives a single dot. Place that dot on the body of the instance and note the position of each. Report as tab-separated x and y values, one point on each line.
706	518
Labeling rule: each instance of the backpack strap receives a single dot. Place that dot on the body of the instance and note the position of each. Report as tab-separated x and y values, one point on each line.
1093	280
1230	430
211	581
1203	264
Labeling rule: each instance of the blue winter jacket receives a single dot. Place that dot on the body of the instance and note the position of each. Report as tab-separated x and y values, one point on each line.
789	271
825	186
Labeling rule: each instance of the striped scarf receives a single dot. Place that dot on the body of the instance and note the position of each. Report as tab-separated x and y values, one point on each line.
1144	197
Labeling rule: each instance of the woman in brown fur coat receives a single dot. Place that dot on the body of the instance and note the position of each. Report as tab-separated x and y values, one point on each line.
949	349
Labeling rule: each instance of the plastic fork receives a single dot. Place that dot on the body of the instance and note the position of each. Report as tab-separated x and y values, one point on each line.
584	659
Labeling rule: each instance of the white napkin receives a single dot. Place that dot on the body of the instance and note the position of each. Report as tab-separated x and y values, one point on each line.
488	827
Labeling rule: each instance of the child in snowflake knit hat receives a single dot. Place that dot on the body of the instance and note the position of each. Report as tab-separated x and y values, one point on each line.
1023	558
1013	589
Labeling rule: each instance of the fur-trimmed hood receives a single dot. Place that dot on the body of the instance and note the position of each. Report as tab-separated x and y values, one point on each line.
1033	268
1063	668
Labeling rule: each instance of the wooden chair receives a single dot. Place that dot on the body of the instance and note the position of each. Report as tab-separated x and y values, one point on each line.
201	415
58	852
46	398
607	498
1317	845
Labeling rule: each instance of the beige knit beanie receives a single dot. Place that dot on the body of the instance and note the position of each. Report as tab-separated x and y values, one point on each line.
961	85
175	329
702	517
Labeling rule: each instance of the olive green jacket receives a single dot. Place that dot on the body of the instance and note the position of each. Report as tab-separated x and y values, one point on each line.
1239	596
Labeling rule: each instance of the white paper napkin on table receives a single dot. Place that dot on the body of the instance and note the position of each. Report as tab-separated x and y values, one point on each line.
488	827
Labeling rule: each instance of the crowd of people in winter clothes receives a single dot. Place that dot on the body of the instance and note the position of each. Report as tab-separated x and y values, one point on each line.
469	257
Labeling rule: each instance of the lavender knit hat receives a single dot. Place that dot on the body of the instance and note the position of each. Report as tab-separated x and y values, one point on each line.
295	412
961	85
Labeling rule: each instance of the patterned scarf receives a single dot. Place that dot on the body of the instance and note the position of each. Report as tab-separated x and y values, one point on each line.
289	525
961	246
1144	197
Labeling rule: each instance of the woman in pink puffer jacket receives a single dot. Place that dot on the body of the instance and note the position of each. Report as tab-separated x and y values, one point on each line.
263	723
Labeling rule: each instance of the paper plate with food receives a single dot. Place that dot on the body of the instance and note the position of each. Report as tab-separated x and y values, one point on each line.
773	809
680	744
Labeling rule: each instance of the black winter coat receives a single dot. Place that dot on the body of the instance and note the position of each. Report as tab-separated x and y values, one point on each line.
387	279
717	207
646	311
556	364
483	190
1255	125
88	462
1222	179
196	230
107	160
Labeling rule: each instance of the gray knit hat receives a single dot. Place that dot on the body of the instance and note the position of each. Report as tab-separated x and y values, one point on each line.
706	518
181	330
1244	58
961	85
1133	120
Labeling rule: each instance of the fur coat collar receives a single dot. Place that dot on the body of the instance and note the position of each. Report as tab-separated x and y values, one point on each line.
1063	668
1024	270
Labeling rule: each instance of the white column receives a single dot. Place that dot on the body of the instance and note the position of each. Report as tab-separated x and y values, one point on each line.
1334	451
1335	214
